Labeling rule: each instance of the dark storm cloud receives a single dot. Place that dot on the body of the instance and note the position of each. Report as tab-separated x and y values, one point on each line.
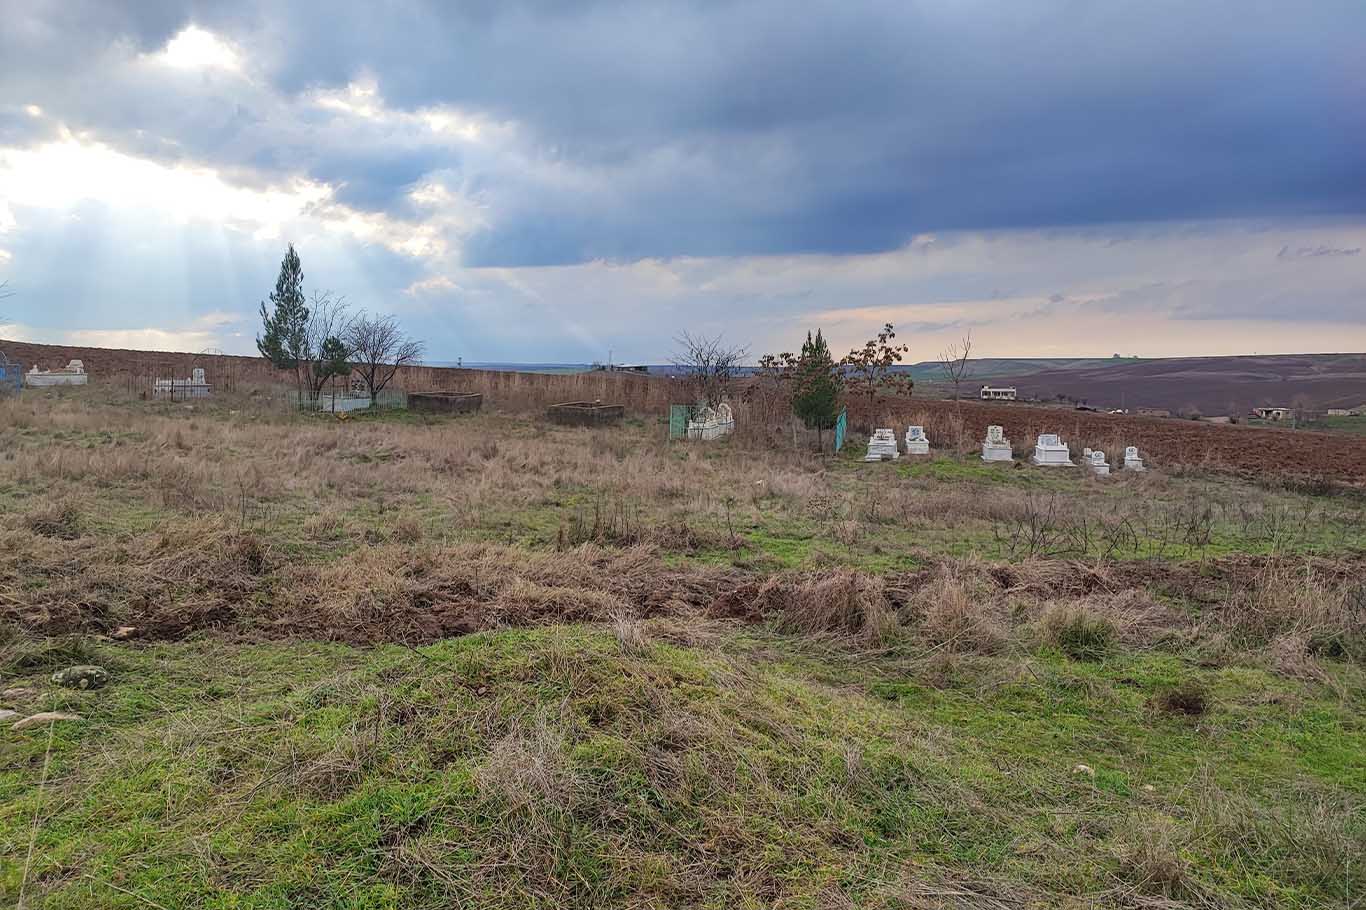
756	126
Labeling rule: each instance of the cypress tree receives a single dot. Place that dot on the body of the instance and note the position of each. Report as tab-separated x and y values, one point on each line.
816	396
285	329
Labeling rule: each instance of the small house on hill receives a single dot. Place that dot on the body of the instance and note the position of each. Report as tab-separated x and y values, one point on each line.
1273	413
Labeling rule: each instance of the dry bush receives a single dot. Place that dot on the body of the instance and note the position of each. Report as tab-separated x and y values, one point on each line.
1151	856
1139	619
630	634
408	529
960	610
1299	614
841	603
61	521
1290	656
1078	630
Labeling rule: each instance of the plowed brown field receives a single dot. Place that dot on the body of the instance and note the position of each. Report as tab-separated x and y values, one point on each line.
1254	452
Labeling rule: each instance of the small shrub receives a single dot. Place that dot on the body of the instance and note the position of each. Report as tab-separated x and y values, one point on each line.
630	634
1152	860
408	530
1081	633
62	522
959	618
844	603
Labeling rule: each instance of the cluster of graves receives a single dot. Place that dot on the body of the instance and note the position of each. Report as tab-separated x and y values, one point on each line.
182	389
72	374
713	423
1049	450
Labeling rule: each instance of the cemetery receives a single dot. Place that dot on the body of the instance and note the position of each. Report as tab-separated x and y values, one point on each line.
1050	451
916	441
1132	460
597	605
445	402
711	423
182	389
882	446
585	414
996	447
72	374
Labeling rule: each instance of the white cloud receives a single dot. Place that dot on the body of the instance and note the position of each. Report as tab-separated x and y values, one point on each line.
197	48
59	175
62	175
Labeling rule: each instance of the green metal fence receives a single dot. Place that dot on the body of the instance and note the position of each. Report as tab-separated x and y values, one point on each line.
679	415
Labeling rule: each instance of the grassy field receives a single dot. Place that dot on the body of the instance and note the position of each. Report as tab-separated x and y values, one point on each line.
392	662
1354	425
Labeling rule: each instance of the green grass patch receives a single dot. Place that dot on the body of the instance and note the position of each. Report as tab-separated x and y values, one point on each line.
550	768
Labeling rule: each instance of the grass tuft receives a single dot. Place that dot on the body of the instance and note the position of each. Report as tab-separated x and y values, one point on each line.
1079	631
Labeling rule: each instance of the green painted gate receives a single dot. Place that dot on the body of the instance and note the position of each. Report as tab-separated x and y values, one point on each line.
679	415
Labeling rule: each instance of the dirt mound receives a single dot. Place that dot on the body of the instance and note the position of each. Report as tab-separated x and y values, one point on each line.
167	586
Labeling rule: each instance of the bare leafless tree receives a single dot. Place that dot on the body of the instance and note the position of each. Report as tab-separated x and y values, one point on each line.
379	347
325	350
708	365
953	362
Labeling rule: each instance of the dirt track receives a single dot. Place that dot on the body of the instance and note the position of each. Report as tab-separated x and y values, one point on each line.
1254	452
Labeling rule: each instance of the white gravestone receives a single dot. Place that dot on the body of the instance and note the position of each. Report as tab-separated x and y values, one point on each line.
72	374
882	446
1132	460
997	447
180	389
917	443
1096	462
712	424
1051	451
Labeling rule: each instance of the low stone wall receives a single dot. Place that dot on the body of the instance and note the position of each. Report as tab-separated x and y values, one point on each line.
137	372
445	402
585	413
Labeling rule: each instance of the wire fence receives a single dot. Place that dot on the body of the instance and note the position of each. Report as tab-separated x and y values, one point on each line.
11	376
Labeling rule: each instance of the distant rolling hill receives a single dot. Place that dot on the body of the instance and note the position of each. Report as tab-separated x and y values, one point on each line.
1210	385
990	368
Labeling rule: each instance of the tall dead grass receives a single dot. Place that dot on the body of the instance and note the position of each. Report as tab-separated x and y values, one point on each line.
841	603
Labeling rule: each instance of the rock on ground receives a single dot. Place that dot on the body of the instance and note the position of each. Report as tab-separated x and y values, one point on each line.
44	717
84	676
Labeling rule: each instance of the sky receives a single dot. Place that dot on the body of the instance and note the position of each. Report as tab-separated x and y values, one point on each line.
547	180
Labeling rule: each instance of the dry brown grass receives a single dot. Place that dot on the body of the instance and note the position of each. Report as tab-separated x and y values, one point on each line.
1151	858
238	515
962	610
528	766
841	603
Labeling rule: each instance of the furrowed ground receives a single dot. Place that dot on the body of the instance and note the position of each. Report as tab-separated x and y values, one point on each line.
394	662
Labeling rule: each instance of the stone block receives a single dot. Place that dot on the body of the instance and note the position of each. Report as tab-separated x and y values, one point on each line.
882	446
1051	451
996	447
